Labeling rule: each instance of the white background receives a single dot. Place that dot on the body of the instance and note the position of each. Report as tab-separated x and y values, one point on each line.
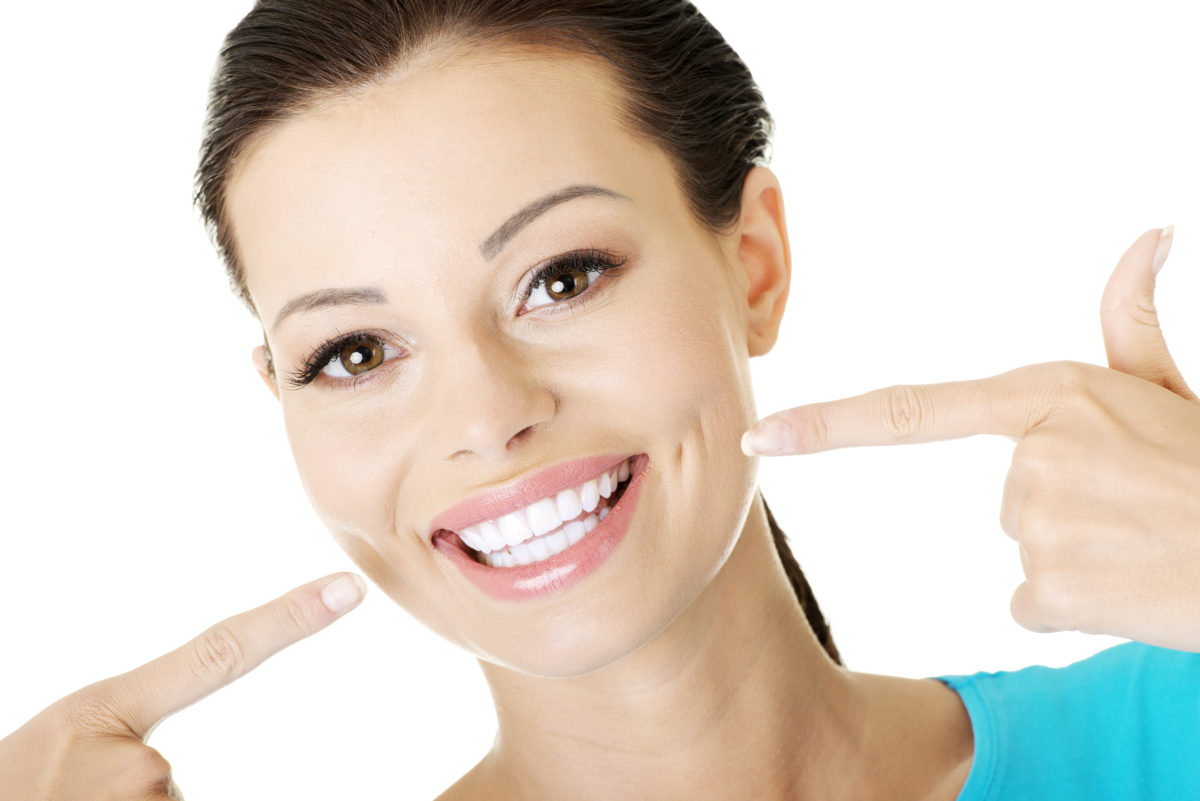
960	179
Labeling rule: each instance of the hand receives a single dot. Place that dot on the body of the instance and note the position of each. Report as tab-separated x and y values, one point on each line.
1103	496
91	744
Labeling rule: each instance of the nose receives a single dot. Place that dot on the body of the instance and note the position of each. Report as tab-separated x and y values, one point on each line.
491	400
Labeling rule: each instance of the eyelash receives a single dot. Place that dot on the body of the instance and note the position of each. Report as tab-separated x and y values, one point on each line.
320	358
591	261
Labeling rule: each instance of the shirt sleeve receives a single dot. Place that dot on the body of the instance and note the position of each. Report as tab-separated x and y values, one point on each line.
1122	724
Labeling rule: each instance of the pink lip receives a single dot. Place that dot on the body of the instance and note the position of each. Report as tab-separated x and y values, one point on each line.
561	570
502	500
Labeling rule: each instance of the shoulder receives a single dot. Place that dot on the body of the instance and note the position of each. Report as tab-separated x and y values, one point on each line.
1124	723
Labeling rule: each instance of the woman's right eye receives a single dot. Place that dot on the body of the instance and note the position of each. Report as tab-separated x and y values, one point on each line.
357	356
344	360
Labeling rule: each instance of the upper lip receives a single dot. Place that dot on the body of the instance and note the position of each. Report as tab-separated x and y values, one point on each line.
499	501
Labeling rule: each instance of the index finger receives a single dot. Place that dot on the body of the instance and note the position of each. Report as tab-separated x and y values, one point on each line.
145	696
1008	404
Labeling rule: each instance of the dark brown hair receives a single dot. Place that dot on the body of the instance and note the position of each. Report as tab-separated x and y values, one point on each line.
685	90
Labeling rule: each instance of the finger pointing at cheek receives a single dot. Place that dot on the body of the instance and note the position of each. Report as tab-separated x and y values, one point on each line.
1001	404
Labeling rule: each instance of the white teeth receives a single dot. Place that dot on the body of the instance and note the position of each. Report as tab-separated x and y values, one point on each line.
538	531
470	535
557	541
521	554
589	495
574	531
569	505
499	559
515	528
539	549
492	538
543	516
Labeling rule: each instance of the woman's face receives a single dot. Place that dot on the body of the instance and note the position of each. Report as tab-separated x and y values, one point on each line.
400	206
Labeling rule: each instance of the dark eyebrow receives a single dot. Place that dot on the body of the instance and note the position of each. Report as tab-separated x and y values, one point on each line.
356	296
496	242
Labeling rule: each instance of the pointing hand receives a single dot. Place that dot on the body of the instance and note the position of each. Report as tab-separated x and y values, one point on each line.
1103	496
91	744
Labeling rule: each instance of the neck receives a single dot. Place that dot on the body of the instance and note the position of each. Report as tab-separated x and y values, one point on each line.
734	699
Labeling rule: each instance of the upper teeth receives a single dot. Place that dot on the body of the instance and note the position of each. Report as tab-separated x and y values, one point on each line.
545	515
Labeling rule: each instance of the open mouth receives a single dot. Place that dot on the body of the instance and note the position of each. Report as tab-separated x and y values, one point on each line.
547	526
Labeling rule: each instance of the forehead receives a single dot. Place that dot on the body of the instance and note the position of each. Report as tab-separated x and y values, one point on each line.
429	161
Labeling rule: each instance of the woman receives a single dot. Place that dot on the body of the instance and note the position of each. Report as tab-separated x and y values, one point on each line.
691	628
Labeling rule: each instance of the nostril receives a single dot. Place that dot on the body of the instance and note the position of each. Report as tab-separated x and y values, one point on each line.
521	435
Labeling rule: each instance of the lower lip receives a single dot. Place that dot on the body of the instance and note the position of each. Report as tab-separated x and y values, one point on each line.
565	568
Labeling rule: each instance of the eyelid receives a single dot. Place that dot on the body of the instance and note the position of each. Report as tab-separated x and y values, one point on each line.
311	369
595	262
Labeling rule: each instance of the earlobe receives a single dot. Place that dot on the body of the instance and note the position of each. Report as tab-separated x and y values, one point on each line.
765	256
262	363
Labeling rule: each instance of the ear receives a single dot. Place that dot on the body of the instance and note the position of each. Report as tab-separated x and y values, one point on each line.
764	254
262	363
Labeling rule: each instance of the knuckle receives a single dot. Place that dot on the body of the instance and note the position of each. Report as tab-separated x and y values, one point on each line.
904	411
1007	518
87	712
1033	461
1050	597
815	434
219	653
1069	380
297	616
152	765
1141	311
1033	524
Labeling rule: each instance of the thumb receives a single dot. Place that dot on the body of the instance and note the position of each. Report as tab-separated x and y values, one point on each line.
1132	337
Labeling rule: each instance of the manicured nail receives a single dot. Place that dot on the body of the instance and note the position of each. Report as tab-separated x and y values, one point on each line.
343	592
769	438
1164	247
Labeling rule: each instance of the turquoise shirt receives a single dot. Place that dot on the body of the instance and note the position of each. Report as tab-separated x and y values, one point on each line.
1122	724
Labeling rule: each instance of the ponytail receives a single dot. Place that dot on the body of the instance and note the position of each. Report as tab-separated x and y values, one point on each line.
804	593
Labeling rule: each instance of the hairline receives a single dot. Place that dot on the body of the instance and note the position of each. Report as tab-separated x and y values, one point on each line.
438	49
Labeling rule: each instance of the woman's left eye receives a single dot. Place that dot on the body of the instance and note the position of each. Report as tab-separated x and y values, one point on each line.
566	278
358	356
563	286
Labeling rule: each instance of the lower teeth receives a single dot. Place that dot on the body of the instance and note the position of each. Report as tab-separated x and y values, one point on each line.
546	545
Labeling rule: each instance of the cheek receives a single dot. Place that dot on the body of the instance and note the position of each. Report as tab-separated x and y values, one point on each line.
692	371
344	469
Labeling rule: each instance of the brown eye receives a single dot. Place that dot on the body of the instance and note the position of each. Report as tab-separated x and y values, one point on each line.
358	357
568	280
567	284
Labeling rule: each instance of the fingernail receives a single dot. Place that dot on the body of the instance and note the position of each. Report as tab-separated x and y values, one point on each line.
1164	247
769	438
343	592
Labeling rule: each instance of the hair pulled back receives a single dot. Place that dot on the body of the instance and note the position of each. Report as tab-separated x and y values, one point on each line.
685	90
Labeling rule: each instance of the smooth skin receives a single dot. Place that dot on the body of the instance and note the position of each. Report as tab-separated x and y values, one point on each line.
1103	497
683	667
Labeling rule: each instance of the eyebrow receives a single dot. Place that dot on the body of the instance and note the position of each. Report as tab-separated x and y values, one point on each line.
496	242
354	296
372	296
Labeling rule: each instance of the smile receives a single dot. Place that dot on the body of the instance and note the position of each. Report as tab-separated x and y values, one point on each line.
546	532
548	525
